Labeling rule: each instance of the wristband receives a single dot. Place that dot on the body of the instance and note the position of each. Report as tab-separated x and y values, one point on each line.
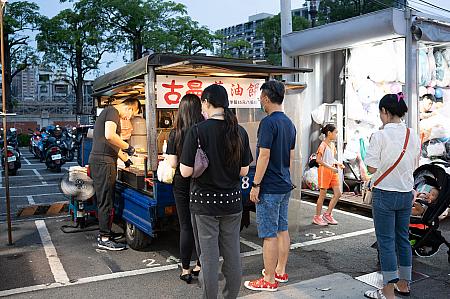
254	185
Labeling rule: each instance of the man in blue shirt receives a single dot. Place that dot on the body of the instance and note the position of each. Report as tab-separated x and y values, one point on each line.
271	187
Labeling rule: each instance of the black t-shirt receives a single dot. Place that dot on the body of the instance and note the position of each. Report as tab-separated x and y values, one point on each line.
217	191
101	148
179	182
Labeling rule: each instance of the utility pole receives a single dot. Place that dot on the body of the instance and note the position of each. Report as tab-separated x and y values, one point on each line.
5	130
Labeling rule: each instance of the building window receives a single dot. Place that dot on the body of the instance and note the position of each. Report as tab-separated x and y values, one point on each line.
44	78
62	89
43	89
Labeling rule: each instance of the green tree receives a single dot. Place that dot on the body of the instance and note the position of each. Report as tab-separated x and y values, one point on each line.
270	30
336	10
75	40
20	19
139	23
241	46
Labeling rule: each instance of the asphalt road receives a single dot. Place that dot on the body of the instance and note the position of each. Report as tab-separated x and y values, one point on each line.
34	183
44	262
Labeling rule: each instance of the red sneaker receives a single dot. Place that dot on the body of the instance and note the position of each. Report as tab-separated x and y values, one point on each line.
261	285
278	277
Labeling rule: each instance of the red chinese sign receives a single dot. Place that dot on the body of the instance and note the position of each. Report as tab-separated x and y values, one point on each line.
242	92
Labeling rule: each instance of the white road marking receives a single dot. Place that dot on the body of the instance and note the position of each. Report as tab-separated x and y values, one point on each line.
32	186
31	200
42	163
42	194
250	244
56	266
340	211
26	160
163	268
40	177
333	238
26	176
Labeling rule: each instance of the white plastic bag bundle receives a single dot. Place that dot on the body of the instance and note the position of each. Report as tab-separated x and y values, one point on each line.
318	114
436	149
311	178
165	172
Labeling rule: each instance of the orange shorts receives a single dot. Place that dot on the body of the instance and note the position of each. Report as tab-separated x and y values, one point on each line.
327	178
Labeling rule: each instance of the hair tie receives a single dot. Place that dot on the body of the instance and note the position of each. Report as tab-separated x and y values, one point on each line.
400	96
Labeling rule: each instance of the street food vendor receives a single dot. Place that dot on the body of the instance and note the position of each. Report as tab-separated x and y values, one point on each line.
107	147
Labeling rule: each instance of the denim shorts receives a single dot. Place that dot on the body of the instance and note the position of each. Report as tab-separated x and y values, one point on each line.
272	214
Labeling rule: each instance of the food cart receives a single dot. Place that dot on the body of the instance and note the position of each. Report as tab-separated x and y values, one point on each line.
159	81
360	59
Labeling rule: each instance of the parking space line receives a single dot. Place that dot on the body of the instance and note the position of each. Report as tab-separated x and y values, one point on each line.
54	262
340	211
250	244
40	177
31	186
42	194
31	200
26	160
166	267
25	176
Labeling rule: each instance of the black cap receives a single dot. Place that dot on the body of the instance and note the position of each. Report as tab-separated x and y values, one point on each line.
216	95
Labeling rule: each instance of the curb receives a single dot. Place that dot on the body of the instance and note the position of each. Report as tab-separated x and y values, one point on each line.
52	209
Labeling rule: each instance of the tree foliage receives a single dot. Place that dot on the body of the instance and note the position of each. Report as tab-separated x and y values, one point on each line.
336	10
20	19
75	40
270	30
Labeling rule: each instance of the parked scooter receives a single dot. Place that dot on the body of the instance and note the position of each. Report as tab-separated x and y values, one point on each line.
69	139
54	157
12	152
35	139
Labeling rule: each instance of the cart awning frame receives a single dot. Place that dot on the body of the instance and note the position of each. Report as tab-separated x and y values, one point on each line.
187	65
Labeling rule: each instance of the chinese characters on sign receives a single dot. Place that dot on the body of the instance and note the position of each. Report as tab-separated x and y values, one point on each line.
242	92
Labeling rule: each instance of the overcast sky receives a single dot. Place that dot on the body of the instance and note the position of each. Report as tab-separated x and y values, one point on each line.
217	14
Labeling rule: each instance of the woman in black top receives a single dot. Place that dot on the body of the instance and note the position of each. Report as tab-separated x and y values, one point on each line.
215	203
189	113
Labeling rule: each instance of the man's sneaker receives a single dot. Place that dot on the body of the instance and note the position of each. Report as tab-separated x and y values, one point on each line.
317	219
278	277
111	245
261	285
329	218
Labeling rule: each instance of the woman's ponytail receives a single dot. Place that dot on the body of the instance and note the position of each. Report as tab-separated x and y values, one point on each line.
233	142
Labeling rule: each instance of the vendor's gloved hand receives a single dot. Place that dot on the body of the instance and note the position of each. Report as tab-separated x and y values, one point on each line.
129	151
128	163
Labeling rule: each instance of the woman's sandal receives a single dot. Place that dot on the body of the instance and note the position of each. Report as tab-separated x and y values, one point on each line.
195	273
186	277
397	290
375	294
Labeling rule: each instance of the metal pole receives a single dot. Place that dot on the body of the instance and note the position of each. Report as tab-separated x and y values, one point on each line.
411	62
5	145
286	28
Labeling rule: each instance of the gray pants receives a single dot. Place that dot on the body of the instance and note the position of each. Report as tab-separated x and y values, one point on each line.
215	236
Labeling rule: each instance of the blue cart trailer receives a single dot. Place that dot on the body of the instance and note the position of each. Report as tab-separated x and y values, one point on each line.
145	205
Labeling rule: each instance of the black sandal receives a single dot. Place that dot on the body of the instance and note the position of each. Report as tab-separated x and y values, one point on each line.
186	277
195	273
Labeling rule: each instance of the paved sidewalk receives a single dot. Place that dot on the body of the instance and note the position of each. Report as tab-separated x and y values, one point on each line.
333	286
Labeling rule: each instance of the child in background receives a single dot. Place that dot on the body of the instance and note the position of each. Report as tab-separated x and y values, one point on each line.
328	175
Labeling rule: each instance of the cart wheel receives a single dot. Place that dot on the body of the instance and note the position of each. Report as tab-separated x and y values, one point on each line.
136	239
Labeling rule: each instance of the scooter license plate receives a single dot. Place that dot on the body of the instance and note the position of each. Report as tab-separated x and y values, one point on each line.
56	157
12	159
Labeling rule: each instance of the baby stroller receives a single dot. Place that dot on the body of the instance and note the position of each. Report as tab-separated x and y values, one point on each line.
424	234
